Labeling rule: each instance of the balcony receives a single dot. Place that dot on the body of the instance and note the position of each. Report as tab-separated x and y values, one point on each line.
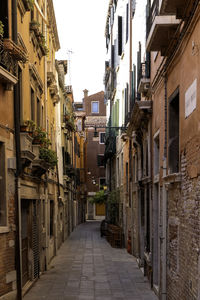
53	90
110	145
69	122
141	114
173	7
28	4
27	155
10	54
39	166
68	89
144	80
70	171
160	29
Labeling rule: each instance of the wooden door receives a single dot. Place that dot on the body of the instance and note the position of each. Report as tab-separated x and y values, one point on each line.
24	234
100	210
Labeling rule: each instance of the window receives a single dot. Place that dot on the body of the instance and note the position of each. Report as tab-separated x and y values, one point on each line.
102	136
118	173
43	213
38	112
3	208
51	217
156	158
127	21
173	141
100	160
32	105
20	92
127	177
4	17
122	168
42	122
95	107
120	35
102	183
79	125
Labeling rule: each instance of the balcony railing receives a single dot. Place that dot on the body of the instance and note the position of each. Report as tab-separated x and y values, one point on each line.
160	29
173	7
110	145
153	12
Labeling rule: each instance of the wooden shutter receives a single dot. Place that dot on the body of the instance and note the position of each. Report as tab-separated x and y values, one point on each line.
119	35
113	56
127	22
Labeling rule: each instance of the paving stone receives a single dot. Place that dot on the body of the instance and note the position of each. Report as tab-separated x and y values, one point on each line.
88	268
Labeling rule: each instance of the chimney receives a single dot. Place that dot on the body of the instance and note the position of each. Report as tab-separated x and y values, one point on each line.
85	91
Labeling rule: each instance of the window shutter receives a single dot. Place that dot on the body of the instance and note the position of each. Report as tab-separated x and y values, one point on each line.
119	35
113	56
116	53
133	81
127	22
100	160
148	64
139	75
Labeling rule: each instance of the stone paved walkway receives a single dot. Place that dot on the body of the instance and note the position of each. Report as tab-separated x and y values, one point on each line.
88	268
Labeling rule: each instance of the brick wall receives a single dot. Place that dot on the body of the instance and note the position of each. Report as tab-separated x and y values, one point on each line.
184	227
7	245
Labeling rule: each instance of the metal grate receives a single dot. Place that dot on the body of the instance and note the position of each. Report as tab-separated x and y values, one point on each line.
35	242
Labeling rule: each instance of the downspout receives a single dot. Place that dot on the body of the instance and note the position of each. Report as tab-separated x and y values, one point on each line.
18	162
130	108
164	203
46	175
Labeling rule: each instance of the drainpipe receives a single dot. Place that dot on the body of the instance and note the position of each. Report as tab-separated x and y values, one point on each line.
18	163
131	107
46	175
164	204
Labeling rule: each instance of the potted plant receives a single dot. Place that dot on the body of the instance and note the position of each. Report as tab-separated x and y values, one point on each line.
34	25
49	156
28	126
42	44
40	137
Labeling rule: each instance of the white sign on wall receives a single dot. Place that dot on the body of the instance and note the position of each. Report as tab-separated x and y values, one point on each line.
191	98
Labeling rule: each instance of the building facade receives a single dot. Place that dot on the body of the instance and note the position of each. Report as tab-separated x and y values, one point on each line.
155	162
95	123
37	210
175	142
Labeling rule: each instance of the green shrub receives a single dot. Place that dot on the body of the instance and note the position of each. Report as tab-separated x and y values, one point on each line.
49	156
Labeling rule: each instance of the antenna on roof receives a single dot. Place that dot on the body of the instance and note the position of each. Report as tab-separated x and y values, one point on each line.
69	52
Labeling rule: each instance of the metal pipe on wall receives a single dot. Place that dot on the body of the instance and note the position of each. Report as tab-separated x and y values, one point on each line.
18	261
164	204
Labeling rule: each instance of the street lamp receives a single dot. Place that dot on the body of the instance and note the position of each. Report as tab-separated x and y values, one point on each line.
96	134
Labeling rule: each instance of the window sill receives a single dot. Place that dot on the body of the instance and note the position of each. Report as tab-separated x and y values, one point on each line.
4	229
156	178
172	178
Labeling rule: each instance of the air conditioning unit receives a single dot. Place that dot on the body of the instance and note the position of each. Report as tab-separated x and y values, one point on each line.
11	163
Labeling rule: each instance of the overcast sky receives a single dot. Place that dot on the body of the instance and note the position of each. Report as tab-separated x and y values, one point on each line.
81	27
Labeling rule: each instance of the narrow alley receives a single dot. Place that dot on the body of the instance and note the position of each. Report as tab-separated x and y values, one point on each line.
87	267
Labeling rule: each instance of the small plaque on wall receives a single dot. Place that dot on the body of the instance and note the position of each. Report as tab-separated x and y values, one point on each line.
191	98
